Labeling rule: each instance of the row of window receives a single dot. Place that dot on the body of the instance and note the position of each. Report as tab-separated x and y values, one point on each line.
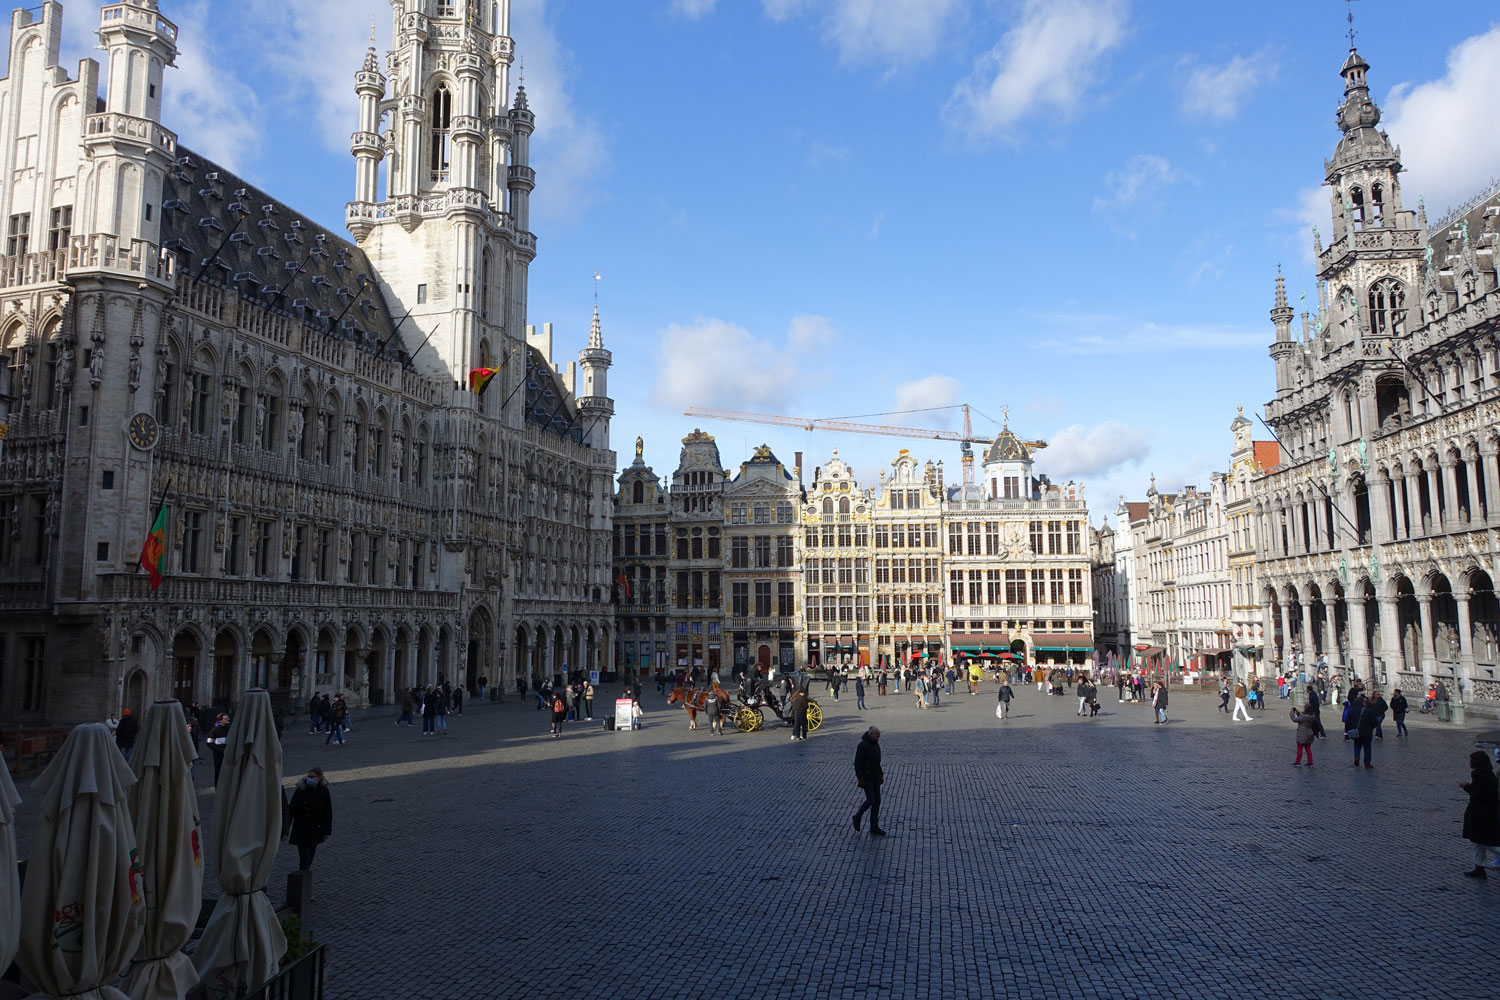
1051	538
914	609
756	552
59	231
31	677
740	598
761	513
1009	587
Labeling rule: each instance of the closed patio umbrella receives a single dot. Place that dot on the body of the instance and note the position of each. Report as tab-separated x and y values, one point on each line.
164	807
81	905
10	885
242	945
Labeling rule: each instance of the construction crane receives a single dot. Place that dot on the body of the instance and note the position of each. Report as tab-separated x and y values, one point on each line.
965	437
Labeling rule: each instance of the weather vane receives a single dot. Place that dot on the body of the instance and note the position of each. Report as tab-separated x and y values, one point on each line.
597	278
1350	5
372	31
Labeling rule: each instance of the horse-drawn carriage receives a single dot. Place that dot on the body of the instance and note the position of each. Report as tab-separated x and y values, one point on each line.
755	696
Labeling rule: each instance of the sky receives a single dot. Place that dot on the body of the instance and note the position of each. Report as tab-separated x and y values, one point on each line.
1073	209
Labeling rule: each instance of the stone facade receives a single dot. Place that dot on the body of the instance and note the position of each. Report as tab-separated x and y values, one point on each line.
1377	539
342	514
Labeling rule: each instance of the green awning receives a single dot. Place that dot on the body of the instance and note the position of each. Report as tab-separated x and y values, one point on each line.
1062	649
967	649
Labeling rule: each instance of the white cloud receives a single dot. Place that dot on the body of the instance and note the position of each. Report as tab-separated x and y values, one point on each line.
891	31
1427	119
927	393
1154	337
693	10
1143	176
900	30
1046	61
807	331
213	111
876	224
1077	451
821	152
713	362
1310	210
1220	91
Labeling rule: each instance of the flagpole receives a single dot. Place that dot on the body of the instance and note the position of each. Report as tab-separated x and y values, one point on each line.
161	507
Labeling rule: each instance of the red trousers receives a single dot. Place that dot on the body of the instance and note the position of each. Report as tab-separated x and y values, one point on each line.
1300	748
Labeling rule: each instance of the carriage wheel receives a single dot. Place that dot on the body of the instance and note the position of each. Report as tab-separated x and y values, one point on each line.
745	719
760	719
814	716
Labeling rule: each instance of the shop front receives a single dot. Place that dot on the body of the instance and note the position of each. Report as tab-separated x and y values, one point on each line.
1063	649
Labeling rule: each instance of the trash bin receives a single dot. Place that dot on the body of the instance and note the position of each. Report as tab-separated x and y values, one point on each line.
1444	711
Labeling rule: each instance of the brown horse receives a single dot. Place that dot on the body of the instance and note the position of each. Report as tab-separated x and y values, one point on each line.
694	699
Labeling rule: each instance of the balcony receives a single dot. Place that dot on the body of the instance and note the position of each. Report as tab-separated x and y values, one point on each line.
130	130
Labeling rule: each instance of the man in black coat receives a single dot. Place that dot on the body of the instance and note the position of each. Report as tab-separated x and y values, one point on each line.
126	732
1482	817
1364	730
1314	702
869	775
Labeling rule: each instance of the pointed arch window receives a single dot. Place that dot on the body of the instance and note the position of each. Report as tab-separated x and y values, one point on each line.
1357	208
1377	204
1387	308
1469	286
484	284
442	134
638	492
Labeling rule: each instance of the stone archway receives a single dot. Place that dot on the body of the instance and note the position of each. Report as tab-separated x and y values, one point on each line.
226	655
374	674
260	661
137	692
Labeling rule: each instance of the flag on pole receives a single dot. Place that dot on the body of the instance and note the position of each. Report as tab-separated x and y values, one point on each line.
154	552
479	379
623	582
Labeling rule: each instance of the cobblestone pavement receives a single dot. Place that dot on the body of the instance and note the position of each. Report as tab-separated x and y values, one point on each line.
1042	856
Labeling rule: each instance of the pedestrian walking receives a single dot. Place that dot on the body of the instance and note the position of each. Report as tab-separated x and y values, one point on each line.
308	818
1120	680
429	711
880	683
799	714
1083	693
218	737
1398	711
1364	732
1224	696
1159	702
1307	731
315	713
1482	815
1239	702
1002	707
869	776
126	733
407	704
458	701
484	682
588	700
440	712
339	713
1315	705
559	713
859	693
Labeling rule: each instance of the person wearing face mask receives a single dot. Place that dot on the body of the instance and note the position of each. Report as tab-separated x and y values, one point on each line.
308	819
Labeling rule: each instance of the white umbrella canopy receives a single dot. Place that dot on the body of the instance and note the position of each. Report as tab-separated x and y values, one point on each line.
10	885
242	945
81	905
164	806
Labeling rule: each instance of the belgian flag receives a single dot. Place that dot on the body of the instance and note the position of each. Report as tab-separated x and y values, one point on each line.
479	379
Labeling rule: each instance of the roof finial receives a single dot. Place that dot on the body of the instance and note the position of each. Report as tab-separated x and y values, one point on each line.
1350	5
596	333
1005	416
372	31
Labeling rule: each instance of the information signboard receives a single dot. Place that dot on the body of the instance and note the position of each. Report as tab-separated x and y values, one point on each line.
622	713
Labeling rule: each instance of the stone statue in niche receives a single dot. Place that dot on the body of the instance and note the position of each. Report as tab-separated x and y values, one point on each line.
1409	646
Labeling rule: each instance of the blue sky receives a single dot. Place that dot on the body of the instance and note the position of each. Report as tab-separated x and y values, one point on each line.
1074	208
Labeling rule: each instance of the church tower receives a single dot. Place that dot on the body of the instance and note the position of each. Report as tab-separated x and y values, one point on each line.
595	408
448	234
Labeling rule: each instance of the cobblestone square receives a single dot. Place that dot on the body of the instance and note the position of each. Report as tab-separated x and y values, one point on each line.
1045	855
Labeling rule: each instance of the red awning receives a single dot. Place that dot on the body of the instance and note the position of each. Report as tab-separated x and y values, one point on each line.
1057	640
982	639
1151	651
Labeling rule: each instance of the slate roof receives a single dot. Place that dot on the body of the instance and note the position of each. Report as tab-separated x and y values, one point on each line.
272	255
239	237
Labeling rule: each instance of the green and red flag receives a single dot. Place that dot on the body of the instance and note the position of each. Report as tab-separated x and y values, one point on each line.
479	379
154	552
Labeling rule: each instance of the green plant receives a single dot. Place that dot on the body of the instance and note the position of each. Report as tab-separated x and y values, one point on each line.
296	945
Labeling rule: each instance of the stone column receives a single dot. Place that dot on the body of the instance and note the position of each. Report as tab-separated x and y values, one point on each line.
1331	634
1491	472
1473	470
1286	630
1434	502
1390	649
1308	644
1400	529
388	673
1413	495
1426	660
549	650
1465	642
1359	648
1268	628
1450	495
241	681
1378	491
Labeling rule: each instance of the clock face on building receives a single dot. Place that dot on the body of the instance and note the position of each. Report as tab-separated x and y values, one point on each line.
143	431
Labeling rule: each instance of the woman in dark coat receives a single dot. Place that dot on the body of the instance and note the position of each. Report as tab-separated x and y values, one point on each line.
1482	817
308	819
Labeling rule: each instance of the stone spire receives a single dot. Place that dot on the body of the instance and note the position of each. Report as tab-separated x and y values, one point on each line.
1281	312
596	333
